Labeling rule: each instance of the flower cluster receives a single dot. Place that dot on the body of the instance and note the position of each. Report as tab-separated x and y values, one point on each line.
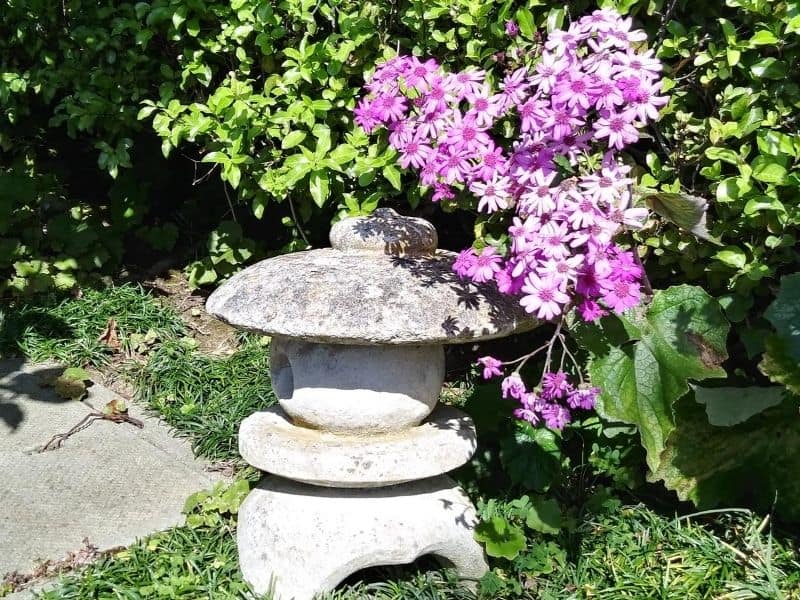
552	402
560	181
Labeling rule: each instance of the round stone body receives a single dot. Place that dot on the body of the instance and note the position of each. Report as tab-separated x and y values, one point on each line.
299	540
353	389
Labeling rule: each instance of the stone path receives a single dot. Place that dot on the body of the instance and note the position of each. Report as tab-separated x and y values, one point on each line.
110	483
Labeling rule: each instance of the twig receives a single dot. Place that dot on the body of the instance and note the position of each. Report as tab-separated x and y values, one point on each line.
230	204
662	31
55	442
552	341
297	223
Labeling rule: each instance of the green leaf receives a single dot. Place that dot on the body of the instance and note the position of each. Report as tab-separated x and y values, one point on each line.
724	154
680	336
769	170
293	139
769	68
216	157
544	516
684	210
525	21
707	464
780	364
763	38
502	539
392	175
323	135
555	19
343	154
784	313
726	406
732	256
319	187
531	457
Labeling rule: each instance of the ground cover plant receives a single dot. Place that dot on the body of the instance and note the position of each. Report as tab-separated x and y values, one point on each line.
70	330
203	397
622	552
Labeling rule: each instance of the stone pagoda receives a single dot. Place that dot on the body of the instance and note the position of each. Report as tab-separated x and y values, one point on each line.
357	449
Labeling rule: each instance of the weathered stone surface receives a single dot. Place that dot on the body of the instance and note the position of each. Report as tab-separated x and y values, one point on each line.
347	388
331	296
270	442
385	232
111	483
306	539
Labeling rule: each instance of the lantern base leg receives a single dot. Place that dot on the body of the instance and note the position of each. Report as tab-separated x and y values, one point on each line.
297	540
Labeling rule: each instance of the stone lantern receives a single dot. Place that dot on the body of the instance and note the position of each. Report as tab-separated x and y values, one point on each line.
357	449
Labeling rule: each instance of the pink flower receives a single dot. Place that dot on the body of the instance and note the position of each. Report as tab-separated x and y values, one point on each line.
590	311
621	295
494	195
418	74
555	386
414	153
547	70
491	162
513	386
515	86
491	367
464	261
617	128
442	191
625	268
584	396
487	263
512	29
556	416
465	133
454	166
366	116
390	108
543	296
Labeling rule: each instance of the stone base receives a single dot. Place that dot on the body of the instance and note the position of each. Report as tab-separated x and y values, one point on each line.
299	540
272	443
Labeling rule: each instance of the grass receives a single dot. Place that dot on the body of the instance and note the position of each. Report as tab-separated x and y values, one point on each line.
203	397
631	553
68	330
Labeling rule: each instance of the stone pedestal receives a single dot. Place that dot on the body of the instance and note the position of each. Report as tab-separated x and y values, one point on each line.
299	540
357	451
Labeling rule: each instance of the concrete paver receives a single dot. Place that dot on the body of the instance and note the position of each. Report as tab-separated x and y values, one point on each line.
111	483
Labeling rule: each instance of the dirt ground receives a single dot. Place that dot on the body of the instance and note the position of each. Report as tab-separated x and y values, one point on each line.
213	336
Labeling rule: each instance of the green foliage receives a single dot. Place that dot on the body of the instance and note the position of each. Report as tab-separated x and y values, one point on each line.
69	330
228	250
46	240
203	397
729	135
211	508
781	361
531	456
707	464
726	406
645	358
183	563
